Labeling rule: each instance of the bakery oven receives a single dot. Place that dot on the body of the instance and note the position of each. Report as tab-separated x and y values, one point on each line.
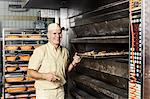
112	41
103	70
104	49
102	41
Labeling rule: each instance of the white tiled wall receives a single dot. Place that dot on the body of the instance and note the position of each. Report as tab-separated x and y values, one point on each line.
6	17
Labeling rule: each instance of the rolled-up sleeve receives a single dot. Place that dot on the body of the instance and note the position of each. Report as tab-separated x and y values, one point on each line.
36	59
68	57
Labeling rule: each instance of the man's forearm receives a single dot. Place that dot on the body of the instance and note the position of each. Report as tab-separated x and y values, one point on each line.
76	60
34	74
71	66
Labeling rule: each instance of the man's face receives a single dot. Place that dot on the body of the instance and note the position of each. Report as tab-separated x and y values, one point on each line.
55	35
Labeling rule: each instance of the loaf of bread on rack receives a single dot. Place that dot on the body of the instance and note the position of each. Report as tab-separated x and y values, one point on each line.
33	97
12	36
25	47
29	78
23	67
14	79
16	89
91	53
35	36
24	57
31	88
10	67
10	58
11	47
36	46
24	36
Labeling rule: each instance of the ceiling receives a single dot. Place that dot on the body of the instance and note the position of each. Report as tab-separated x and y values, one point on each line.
56	4
13	0
51	4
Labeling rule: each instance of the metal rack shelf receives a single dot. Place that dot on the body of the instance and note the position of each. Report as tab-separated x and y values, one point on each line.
23	39
16	54
29	52
27	96
97	55
24	92
104	39
22	44
20	50
26	39
122	60
16	62
27	34
105	57
22	82
17	71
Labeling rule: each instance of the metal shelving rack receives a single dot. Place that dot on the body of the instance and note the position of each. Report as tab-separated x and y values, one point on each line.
23	39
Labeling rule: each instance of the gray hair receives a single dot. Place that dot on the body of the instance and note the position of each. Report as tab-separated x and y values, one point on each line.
52	26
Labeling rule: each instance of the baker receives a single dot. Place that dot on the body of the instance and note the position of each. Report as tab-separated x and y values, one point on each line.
48	65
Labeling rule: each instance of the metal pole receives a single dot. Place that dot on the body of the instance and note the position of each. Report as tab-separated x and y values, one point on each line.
146	47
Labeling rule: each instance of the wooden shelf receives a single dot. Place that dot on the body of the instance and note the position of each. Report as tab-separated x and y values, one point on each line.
104	39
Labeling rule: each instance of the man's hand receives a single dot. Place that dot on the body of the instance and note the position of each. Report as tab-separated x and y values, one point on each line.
76	59
50	77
